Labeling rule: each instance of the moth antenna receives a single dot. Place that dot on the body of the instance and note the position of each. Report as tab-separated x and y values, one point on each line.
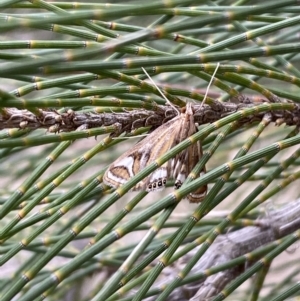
161	93
210	82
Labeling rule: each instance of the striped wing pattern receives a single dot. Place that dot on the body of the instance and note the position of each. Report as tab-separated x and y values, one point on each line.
152	147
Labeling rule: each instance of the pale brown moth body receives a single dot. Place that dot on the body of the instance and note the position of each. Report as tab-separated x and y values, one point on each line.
152	147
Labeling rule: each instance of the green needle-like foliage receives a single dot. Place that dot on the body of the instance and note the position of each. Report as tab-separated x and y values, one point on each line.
72	95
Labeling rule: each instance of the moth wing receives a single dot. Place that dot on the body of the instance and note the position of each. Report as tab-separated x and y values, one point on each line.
161	143
195	154
141	155
188	159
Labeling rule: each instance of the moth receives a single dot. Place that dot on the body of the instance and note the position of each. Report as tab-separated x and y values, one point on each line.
152	147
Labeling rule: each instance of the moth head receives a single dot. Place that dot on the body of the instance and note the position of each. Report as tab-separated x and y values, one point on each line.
188	108
183	110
